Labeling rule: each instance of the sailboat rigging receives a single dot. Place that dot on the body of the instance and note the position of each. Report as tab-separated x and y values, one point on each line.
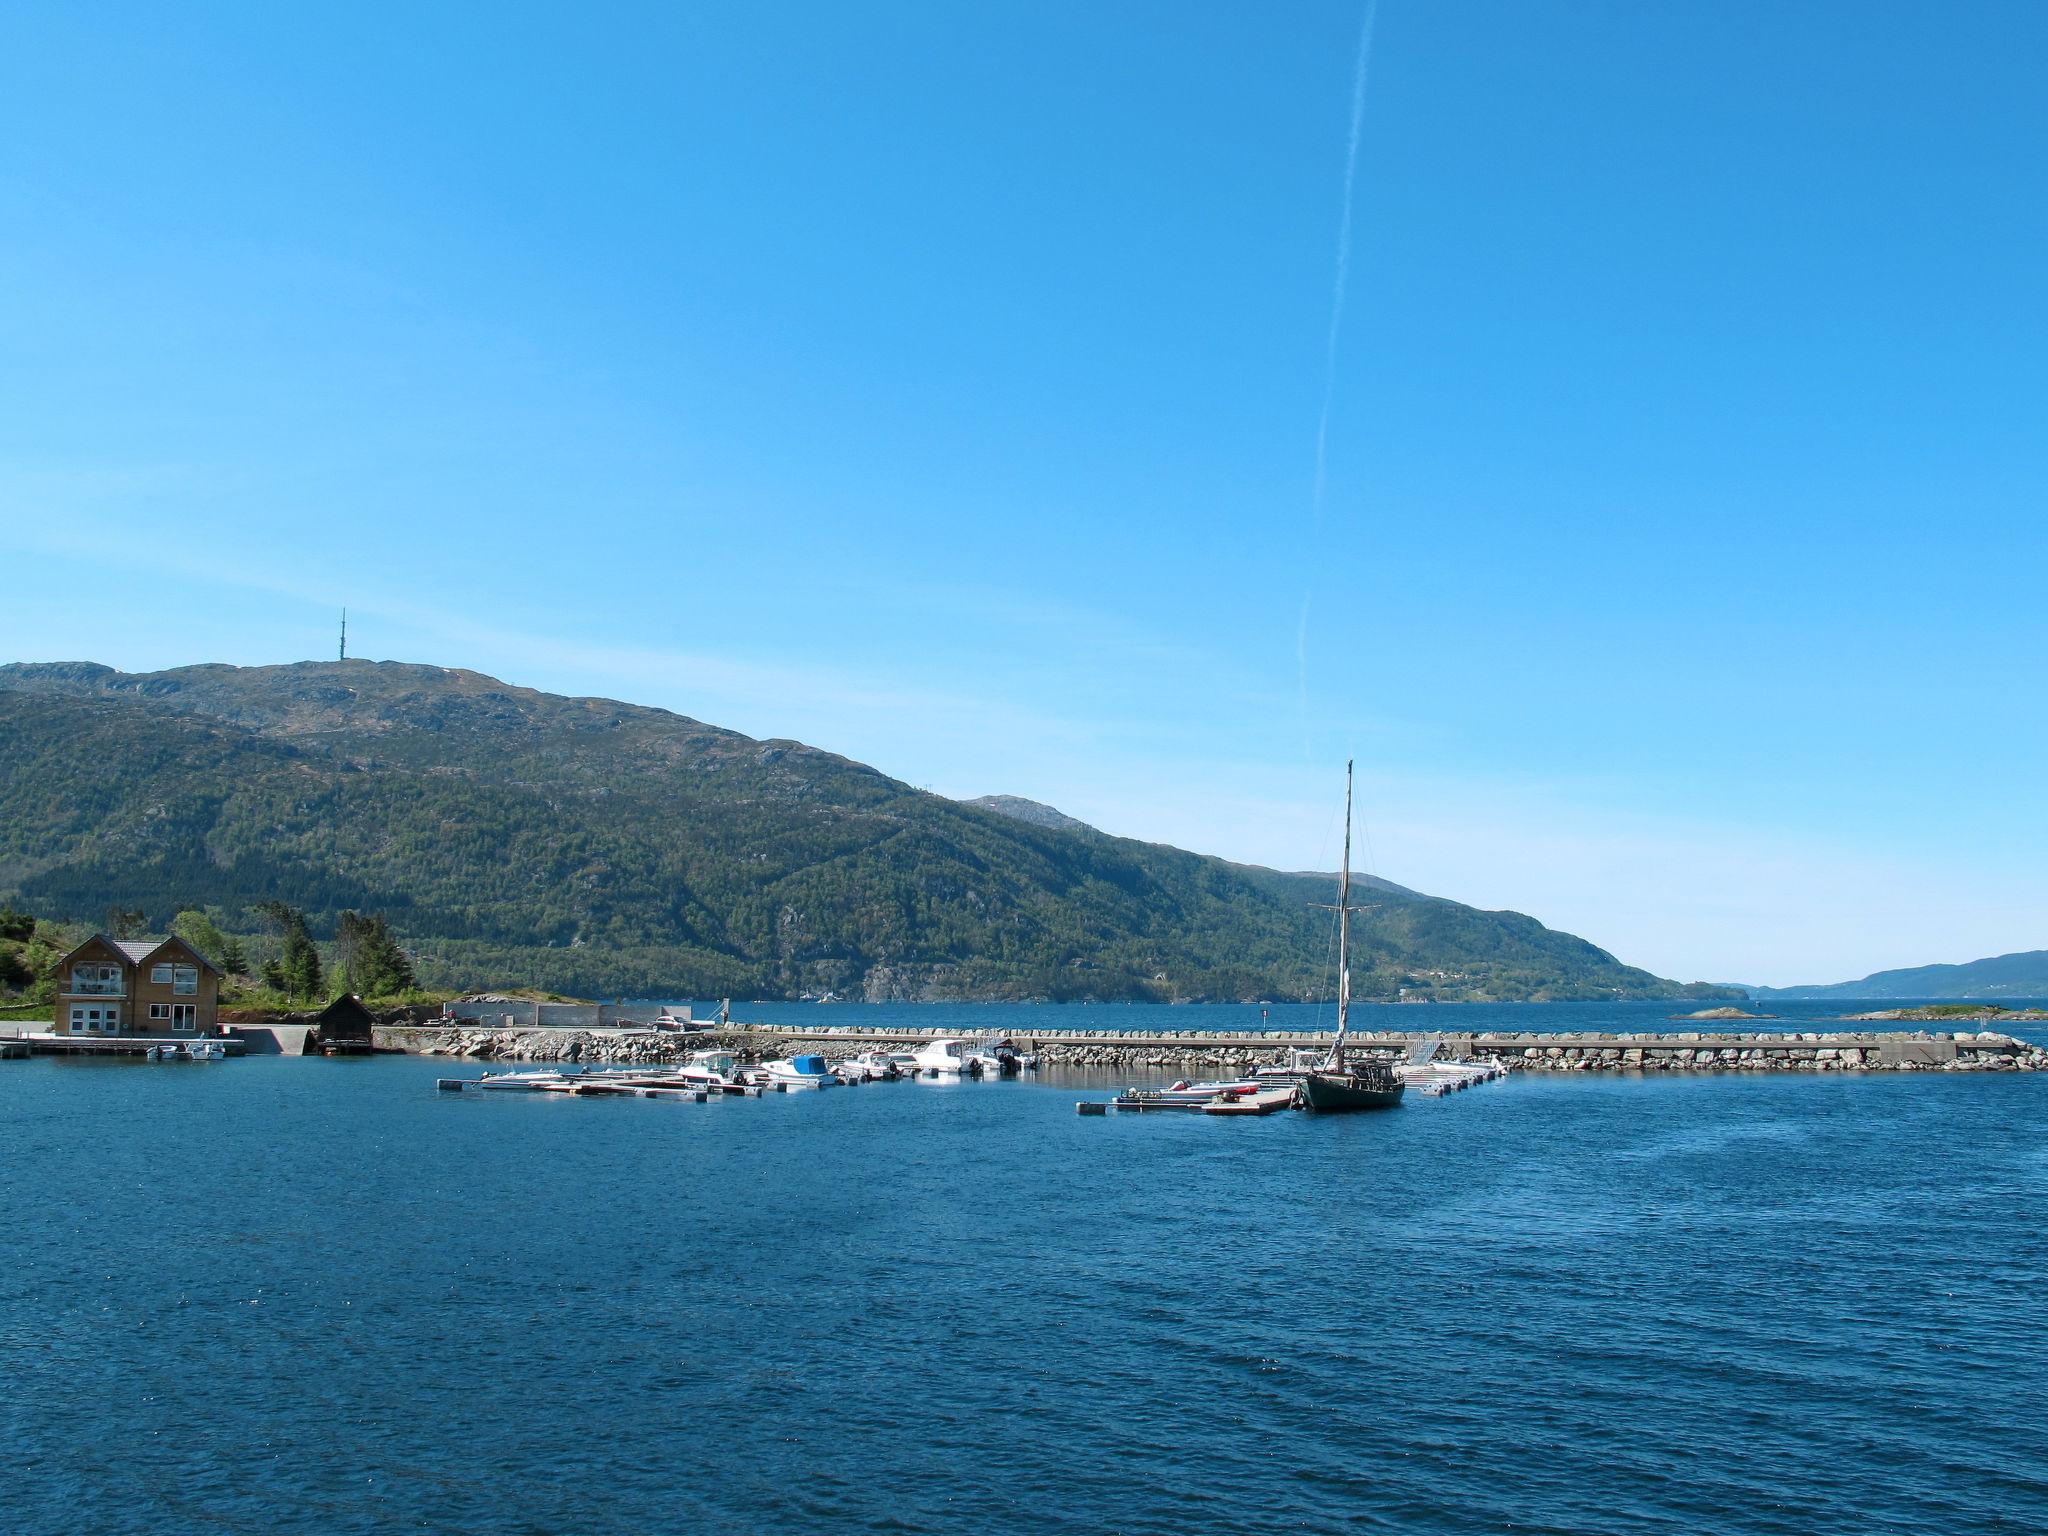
1338	1084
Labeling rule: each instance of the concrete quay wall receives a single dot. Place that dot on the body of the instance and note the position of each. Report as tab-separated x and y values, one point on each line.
1198	1051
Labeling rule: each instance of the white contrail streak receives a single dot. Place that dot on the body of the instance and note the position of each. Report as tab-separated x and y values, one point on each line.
1359	71
1358	76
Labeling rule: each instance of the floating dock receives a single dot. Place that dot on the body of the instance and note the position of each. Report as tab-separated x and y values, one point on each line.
1265	1102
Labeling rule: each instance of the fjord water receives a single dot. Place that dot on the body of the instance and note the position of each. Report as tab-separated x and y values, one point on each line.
287	1295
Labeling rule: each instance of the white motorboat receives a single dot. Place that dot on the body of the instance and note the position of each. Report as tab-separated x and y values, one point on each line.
1289	1073
206	1050
996	1057
945	1058
716	1070
805	1071
868	1067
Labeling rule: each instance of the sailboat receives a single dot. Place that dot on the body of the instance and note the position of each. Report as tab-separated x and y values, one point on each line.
1337	1085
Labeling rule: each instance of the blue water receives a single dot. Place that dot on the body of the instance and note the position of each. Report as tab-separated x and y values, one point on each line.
289	1295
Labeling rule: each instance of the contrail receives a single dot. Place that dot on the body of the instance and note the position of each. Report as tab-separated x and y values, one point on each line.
1359	70
1358	76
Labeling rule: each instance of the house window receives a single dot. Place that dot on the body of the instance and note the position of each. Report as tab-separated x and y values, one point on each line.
159	1010
160	975
187	983
184	1017
94	980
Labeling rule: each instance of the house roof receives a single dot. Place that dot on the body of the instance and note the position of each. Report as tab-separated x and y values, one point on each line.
346	1008
139	950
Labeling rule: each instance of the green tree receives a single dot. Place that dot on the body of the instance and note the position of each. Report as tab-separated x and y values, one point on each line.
126	922
18	926
197	929
296	970
372	963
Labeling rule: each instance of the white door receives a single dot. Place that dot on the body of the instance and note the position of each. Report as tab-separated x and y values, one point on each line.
95	1018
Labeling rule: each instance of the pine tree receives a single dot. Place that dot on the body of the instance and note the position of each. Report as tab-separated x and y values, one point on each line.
372	963
296	970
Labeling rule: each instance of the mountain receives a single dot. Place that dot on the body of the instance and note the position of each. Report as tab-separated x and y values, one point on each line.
1038	814
2024	974
586	845
1032	812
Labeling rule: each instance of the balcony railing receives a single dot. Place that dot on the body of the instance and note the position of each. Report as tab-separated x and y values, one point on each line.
83	986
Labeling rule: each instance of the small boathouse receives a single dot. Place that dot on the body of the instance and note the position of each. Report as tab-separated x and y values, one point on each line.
344	1028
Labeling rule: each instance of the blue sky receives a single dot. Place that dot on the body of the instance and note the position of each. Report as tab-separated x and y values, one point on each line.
940	384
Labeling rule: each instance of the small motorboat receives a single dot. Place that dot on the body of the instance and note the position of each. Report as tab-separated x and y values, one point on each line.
716	1071
868	1067
1289	1073
166	1050
946	1058
996	1057
206	1050
805	1071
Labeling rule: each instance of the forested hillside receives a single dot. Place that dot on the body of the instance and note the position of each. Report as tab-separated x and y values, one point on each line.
2021	975
584	845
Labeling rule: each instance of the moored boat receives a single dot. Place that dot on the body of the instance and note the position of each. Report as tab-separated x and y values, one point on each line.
714	1071
804	1071
945	1058
1338	1085
868	1067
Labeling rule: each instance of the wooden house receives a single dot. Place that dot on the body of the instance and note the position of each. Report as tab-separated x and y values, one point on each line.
152	987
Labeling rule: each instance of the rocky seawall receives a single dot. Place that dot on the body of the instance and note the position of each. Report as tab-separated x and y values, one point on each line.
1209	1053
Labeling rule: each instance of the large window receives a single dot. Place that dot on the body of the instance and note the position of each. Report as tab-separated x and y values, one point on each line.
160	975
96	980
187	982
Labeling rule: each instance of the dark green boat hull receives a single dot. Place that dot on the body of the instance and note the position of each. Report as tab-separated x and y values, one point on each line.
1330	1093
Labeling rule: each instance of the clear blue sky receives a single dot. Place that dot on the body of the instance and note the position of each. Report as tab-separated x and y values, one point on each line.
940	384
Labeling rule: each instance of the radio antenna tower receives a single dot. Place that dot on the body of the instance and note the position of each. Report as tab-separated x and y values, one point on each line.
344	636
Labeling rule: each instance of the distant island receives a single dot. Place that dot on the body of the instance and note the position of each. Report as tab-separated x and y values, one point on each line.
2020	975
1948	1013
587	846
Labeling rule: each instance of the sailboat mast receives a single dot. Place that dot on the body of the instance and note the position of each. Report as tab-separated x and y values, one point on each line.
1344	934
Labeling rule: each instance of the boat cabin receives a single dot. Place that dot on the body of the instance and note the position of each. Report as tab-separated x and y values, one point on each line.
148	987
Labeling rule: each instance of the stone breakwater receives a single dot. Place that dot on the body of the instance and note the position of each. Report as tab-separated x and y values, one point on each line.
1220	1053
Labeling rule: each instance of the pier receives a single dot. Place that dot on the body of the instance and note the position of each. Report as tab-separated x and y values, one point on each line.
49	1043
1195	1050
